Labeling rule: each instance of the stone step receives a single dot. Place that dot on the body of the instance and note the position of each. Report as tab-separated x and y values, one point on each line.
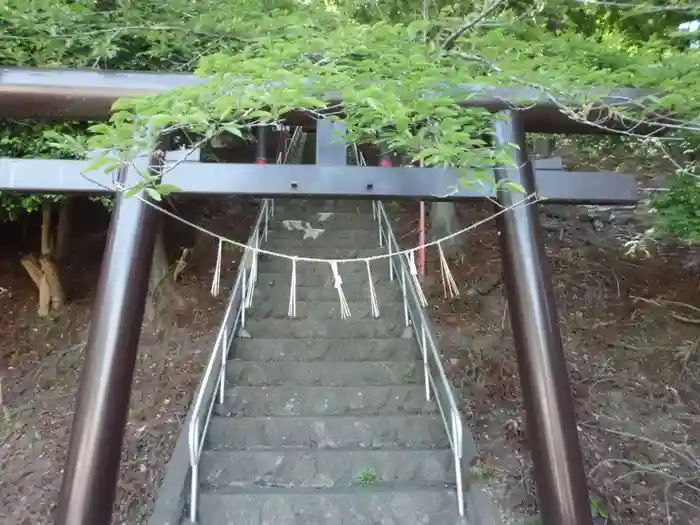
301	350
321	310
277	265
323	373
319	469
325	254
324	242
380	273
386	291
420	431
325	205
325	401
320	219
330	328
375	505
332	232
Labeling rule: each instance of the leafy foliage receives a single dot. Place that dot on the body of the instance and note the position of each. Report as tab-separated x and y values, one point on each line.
678	209
108	34
28	139
392	74
390	61
114	34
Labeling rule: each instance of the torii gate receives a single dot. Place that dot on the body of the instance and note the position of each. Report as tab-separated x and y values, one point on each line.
92	467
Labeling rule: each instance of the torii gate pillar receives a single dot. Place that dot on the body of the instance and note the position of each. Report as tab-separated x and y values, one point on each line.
92	468
551	422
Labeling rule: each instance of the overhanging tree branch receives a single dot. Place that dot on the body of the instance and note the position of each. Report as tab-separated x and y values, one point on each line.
643	7
452	39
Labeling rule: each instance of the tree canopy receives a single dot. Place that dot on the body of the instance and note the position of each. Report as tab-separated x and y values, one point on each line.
385	57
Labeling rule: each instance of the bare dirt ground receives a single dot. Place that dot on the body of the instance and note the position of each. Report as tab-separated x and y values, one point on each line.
631	332
46	359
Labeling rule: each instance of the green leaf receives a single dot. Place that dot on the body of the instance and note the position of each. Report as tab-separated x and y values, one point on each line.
416	27
153	194
132	191
233	130
512	186
167	189
99	162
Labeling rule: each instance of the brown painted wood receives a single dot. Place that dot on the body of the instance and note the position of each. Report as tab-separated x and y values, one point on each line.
274	180
88	94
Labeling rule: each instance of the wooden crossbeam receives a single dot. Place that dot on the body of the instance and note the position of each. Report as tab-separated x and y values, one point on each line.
52	176
273	180
88	94
549	163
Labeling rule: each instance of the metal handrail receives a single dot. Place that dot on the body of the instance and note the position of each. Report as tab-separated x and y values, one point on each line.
415	316
214	379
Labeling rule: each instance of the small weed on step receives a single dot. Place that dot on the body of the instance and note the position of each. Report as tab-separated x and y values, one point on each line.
367	478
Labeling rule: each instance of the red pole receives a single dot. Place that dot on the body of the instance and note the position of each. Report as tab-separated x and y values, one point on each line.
421	240
384	156
421	236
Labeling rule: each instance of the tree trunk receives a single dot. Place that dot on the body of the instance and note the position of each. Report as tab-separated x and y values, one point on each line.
443	222
33	269
544	146
50	270
46	243
63	228
157	279
301	153
44	272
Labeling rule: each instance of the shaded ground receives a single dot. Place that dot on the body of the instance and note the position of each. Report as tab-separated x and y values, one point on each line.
631	331
46	359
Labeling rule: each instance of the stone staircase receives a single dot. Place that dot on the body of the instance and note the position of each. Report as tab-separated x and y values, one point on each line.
325	420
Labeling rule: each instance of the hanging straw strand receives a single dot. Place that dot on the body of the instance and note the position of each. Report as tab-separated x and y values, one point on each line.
338	284
373	300
217	269
292	310
449	285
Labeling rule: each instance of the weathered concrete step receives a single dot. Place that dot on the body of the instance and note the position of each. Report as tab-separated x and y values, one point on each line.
321	219
420	431
262	349
347	230
380	273
326	243
323	373
386	291
301	249
375	505
264	308
333	328
350	234
276	265
325	401
327	205
323	468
